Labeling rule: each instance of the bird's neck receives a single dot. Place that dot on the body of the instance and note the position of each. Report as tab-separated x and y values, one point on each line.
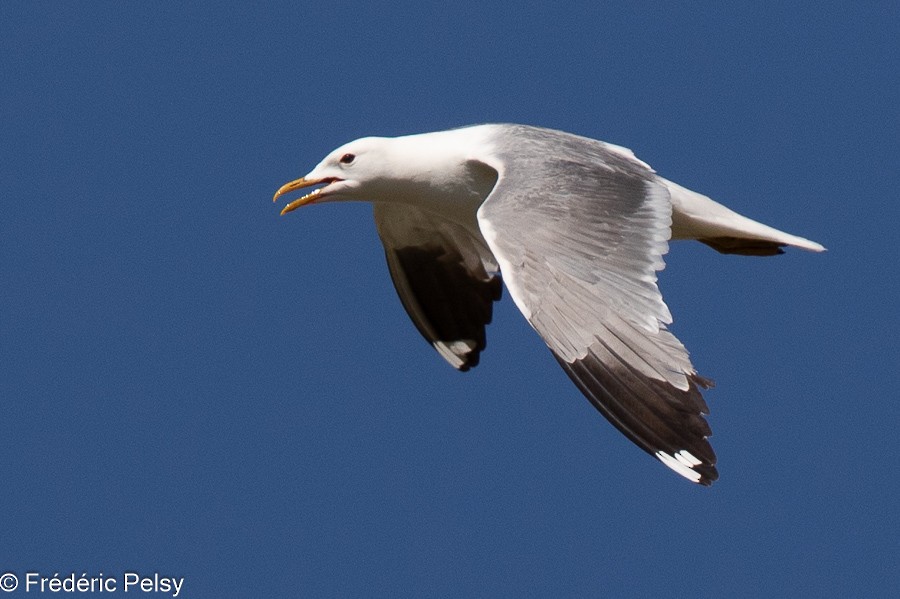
436	172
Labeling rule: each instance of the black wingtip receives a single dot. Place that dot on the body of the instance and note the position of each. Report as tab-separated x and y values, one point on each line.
664	421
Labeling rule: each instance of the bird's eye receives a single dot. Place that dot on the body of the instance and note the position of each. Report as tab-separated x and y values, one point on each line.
347	158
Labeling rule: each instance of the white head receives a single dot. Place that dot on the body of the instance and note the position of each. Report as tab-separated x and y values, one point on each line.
417	168
354	171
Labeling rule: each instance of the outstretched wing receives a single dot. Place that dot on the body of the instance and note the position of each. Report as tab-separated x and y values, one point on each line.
579	229
446	278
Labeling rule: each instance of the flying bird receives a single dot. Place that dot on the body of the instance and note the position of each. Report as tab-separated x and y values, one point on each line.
577	229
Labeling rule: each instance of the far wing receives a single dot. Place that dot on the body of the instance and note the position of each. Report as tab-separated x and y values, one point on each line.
579	229
446	278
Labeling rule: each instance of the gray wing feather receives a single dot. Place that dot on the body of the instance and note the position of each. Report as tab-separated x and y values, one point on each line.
580	228
447	280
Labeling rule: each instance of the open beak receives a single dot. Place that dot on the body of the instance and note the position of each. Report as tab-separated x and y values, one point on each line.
300	184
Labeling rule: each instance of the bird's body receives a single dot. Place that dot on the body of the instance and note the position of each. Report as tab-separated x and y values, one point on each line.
578	228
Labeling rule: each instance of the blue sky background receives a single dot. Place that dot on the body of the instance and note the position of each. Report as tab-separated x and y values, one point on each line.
193	385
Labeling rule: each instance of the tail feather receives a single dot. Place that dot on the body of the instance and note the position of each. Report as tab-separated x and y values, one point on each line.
695	216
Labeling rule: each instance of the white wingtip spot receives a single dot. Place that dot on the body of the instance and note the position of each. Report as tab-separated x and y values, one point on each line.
687	458
448	354
454	351
678	465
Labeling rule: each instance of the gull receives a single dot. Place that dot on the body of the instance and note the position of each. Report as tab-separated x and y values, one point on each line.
577	229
